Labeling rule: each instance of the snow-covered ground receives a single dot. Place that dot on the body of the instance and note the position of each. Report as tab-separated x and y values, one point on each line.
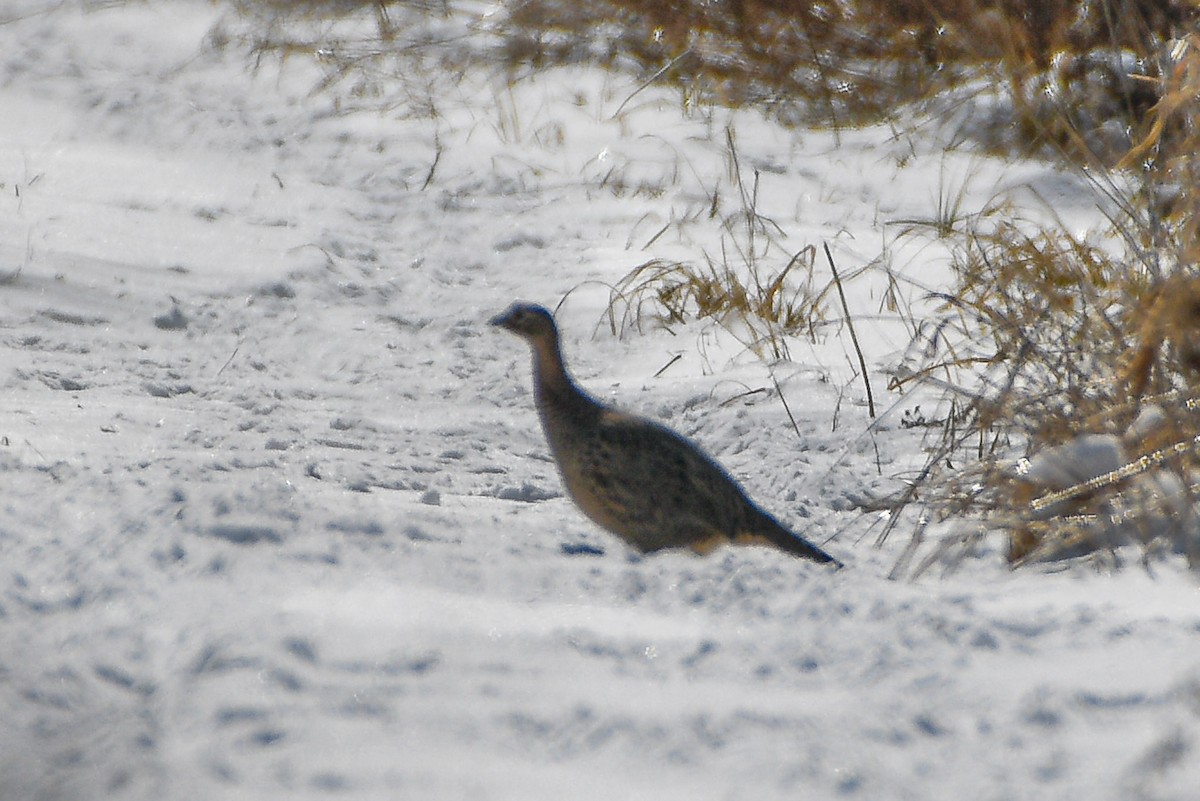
277	519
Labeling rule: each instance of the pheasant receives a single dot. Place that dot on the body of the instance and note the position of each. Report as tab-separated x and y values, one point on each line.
632	476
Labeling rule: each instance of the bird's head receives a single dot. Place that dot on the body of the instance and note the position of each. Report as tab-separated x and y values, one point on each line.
528	321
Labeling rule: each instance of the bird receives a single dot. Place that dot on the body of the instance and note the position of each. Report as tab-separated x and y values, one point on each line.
635	477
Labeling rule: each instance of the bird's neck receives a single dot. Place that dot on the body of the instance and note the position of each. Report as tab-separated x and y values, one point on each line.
555	388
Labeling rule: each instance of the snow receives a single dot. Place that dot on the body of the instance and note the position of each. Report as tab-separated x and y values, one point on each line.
278	521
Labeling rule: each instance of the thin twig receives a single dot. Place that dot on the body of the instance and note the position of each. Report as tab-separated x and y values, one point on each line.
786	408
229	361
654	238
437	157
651	80
862	362
663	369
741	395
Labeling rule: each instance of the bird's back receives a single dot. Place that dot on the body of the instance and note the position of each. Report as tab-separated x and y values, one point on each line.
644	482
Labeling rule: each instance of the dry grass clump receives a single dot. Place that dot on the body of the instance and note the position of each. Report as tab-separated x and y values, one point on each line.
1087	356
380	52
863	55
762	310
1073	77
1088	365
756	288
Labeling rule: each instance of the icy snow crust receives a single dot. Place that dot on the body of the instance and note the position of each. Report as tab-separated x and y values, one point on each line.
278	521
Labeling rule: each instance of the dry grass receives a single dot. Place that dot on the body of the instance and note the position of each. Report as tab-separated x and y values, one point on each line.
1074	77
1086	355
755	287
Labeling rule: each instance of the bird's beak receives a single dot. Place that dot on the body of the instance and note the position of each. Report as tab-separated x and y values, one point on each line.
501	320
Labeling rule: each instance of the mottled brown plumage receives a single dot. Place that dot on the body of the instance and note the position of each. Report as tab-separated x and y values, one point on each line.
638	479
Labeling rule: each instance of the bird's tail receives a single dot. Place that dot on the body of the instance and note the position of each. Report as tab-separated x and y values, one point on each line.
768	531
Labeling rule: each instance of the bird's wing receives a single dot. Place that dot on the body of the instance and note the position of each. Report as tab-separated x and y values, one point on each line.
672	494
